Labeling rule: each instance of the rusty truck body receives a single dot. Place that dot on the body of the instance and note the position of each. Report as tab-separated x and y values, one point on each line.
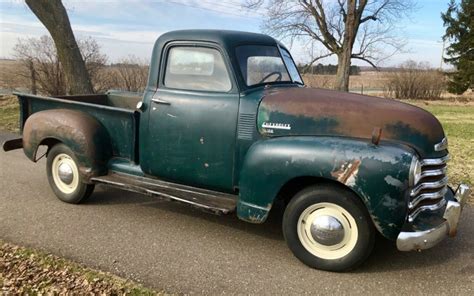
226	125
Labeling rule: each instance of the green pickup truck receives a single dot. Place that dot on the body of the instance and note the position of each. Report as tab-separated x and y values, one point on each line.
226	125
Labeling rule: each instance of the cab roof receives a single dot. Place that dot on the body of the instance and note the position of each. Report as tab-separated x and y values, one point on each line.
225	38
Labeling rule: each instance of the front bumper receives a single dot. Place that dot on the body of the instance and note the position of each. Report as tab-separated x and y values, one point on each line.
425	239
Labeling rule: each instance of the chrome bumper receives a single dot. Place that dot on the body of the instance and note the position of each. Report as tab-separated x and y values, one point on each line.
421	240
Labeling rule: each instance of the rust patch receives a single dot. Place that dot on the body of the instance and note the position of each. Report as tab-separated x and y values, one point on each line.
82	133
356	115
376	134
347	172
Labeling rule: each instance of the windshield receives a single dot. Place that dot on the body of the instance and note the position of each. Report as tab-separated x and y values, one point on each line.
260	64
295	75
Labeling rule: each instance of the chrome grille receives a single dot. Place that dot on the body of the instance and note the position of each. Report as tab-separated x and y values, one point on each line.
428	193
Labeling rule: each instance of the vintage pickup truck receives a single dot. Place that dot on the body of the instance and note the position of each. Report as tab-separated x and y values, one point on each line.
226	125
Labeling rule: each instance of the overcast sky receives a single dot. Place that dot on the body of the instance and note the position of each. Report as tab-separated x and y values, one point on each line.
128	27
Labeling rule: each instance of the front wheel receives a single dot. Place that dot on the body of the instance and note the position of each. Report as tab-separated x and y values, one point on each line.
63	175
328	228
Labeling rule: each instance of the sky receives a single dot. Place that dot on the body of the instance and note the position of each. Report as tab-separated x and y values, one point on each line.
125	27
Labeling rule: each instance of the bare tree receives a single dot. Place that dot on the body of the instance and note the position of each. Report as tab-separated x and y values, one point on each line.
349	29
43	67
54	17
131	74
415	81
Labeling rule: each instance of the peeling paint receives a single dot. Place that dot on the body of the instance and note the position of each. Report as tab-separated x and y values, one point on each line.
347	173
392	181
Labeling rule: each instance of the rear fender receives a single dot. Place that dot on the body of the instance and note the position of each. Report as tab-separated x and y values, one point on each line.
378	174
82	133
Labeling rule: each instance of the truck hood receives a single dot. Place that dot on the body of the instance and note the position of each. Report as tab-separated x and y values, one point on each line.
318	112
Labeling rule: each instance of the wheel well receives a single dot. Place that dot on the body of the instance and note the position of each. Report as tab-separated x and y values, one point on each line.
49	142
289	190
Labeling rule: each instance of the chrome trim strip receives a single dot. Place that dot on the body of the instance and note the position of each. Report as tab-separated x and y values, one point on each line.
443	145
411	177
435	172
421	197
429	185
255	206
434	207
435	161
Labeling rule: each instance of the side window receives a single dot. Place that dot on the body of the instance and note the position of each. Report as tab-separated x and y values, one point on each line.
196	68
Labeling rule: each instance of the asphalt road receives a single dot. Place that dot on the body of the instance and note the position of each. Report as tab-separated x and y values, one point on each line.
179	249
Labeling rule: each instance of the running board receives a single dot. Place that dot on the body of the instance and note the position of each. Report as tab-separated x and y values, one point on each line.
210	201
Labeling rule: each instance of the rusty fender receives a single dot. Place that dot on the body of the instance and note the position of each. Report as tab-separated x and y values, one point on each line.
81	132
378	174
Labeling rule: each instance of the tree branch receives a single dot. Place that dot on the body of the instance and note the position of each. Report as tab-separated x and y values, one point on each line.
365	60
316	59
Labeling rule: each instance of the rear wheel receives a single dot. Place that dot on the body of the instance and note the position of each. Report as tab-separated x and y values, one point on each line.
63	175
328	228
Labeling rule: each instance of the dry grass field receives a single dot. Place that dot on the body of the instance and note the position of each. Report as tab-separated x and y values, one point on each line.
371	81
8	78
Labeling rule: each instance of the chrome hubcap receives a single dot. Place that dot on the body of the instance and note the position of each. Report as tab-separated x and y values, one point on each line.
327	230
65	173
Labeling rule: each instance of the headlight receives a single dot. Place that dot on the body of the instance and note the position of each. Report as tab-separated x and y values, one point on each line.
415	171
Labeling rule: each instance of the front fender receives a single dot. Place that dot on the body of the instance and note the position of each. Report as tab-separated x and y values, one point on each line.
81	132
378	174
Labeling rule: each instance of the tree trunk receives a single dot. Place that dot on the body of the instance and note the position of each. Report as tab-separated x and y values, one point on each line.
31	68
343	70
54	17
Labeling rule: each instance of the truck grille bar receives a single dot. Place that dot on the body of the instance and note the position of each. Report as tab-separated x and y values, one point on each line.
428	193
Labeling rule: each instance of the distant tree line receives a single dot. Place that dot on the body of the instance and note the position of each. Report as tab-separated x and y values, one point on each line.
329	69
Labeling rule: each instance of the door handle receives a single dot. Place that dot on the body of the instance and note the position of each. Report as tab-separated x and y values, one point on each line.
160	101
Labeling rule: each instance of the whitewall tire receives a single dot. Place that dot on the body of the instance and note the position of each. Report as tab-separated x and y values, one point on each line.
64	177
328	227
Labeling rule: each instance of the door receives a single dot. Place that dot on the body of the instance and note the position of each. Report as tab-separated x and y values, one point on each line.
193	119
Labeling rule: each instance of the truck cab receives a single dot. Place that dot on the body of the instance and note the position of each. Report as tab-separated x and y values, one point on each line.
227	125
198	107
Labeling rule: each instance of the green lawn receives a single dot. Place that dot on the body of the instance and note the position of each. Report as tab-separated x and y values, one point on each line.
9	113
457	120
458	123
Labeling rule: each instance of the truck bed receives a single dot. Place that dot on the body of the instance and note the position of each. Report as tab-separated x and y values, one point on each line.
112	98
114	110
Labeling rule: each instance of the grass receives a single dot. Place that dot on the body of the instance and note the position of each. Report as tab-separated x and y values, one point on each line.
458	123
29	271
9	113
